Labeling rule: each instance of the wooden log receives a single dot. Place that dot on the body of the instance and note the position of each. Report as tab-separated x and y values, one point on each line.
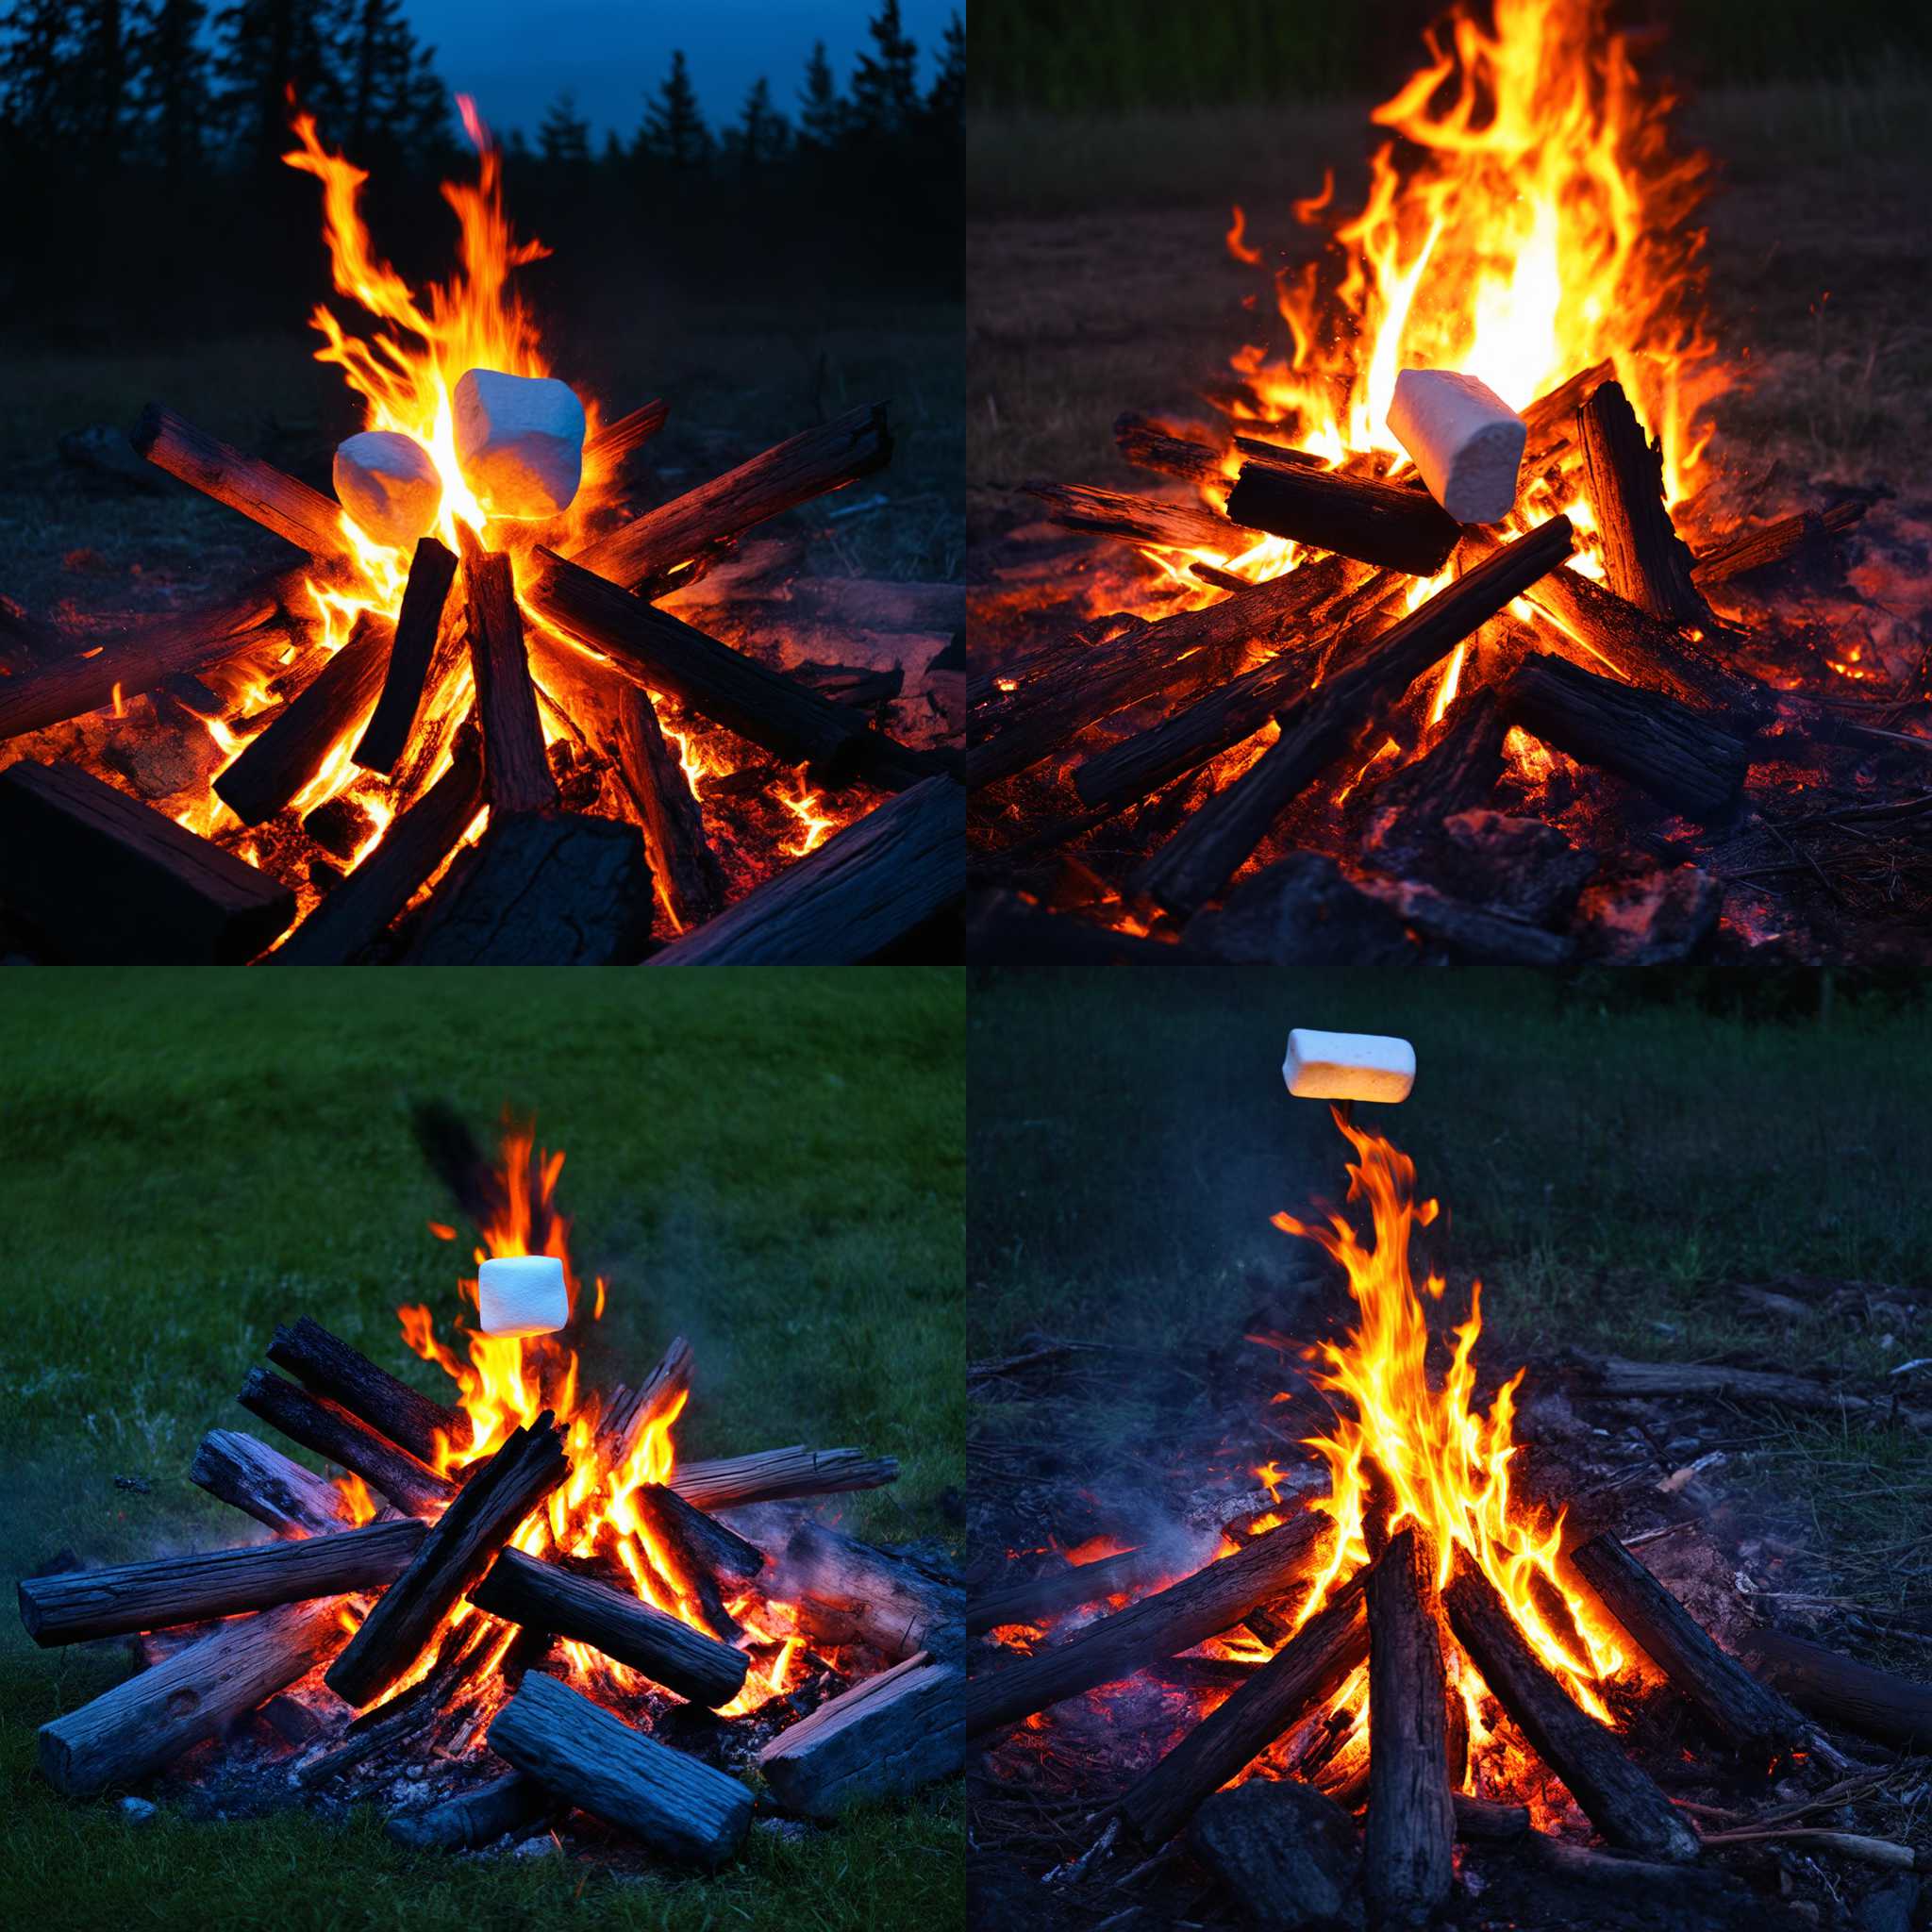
283	756
1480	1821
516	768
807	465
1841	1692
474	1819
1755	1720
1645	559
259	491
1205	853
844	1591
773	1476
1482	934
105	879
607	451
246	1474
869	886
1137	519
544	1596
1551	420
1148	446
79	1604
1615	1376
1306	1670
698	1553
360	910
1384	524
1162	1625
1409	1853
1459	773
625	1419
1618	1798
1773	542
1003	928
1065	1589
330	1430
881	1738
325	1364
682	860
148	1721
1685	760
406	678
458	1549
1672	1894
595	1761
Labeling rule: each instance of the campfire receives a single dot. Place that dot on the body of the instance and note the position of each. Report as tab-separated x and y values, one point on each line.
520	1602
1319	698
485	721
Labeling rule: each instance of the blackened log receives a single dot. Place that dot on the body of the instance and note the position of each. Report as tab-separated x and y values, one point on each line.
325	1364
1480	1821
282	758
795	471
606	452
843	1591
1065	1589
1384	524
589	1758
1137	519
1003	928
775	1475
1616	1797
1480	935
702	1555
866	886
330	1430
150	1720
516	768
108	880
474	1819
1841	1692
79	1604
405	680
686	868
1148	446
1551	420
1162	1625
544	1596
353	916
629	1413
1308	1669
1206	852
1409	1853
1645	559
1617	1375
1754	549
458	1549
881	1738
245	1472
1458	772
1685	760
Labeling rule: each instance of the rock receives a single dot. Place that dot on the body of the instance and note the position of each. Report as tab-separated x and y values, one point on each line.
520	439
1299	911
1519	866
138	1810
1287	1854
388	483
1649	916
1890	1909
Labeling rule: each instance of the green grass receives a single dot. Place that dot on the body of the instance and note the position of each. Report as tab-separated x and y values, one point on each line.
769	1163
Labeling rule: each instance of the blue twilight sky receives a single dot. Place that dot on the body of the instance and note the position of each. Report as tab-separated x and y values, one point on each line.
516	56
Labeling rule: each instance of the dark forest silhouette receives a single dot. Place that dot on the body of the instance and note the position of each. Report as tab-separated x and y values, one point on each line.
140	146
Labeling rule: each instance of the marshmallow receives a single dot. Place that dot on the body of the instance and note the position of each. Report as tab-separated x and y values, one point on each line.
1348	1066
520	439
1466	441
522	1294
388	483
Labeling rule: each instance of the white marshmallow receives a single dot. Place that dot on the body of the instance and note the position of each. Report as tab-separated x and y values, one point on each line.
522	1294
520	439
1466	441
1348	1066
388	483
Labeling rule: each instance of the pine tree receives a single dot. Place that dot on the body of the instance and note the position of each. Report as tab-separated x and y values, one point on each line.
265	49
100	78
395	104
169	66
564	136
37	72
884	83
821	113
762	134
946	103
674	132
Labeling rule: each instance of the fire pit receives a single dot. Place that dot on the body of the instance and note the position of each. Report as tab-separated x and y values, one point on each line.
1289	709
470	728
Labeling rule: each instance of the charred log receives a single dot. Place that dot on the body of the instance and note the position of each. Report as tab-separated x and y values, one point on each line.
1840	1692
773	1476
629	1413
843	1590
1136	518
245	1473
616	443
1066	1588
1551	420
405	680
1148	446
1645	562
475	1819
881	1738
516	768
675	840
704	1555
325	1364
1384	524
1774	543
330	1430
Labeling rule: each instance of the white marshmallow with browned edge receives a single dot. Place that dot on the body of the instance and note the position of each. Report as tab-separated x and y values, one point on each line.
520	439
522	1295
1466	441
388	483
1348	1066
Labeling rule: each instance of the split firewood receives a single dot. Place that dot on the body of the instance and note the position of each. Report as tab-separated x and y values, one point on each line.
681	855
325	1364
1754	549
587	1758
475	1819
881	1738
1066	1588
1840	1692
1644	559
406	678
773	1476
516	767
629	1413
702	1555
1137	519
844	1591
1551	420
247	1474
330	1430
613	444
1390	524
1147	446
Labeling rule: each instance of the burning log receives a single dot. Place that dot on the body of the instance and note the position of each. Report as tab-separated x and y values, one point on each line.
1551	420
1754	549
1159	1627
616	442
1387	524
1618	1799
1688	762
1205	853
775	1475
151	1719
325	1364
595	1761
263	1483
285	756
1308	1669
1458	774
452	1559
474	1819
516	768
1875	1704
1757	1721
543	1596
1066	1588
330	1430
1478	1822
791	473
701	1551
870	885
104	877
622	1423
1148	446
1645	559
844	1592
1409	1850
1137	519
881	1738
79	1604
1482	934
406	682
681	857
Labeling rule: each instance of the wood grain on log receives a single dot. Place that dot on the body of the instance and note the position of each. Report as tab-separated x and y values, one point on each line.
1645	559
1840	1692
701	1553
473	1819
330	1430
773	1476
1137	519
1772	543
1148	446
843	1591
682	860
1386	523
406	678
245	1472
325	1364
629	1413
881	1738
516	768
1065	1589
607	451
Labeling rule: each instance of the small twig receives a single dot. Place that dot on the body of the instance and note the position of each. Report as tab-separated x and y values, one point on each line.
1869	1850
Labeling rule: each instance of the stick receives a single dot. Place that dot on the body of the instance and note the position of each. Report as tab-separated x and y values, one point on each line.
474	1819
245	1473
432	570
775	1475
681	855
623	1423
607	451
844	1591
330	1430
1066	1588
881	1738
325	1364
1875	1704
1137	519
1645	559
1386	523
516	770
1148	446
1883	1852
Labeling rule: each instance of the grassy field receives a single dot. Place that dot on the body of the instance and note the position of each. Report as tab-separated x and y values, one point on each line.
771	1164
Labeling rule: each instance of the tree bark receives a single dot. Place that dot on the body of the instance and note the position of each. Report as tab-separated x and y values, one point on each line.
1137	519
773	1476
474	1819
1389	524
325	1364
1148	446
1839	1691
516	768
1066	1588
843	1590
247	1474
405	681
1645	559
330	1430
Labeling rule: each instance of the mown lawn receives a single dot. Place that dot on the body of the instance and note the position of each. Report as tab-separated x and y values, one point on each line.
771	1163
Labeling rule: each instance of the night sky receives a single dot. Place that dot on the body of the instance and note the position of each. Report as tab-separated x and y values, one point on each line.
515	56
